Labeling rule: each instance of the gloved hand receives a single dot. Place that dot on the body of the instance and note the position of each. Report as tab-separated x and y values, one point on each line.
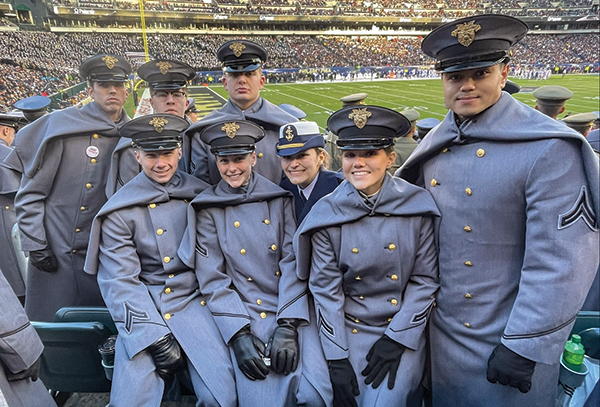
508	368
283	348
249	352
167	355
383	357
33	372
44	260
343	381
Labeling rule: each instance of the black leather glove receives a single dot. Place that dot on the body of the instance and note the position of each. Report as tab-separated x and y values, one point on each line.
167	355
343	381
249	352
283	348
44	260
508	368
383	357
33	372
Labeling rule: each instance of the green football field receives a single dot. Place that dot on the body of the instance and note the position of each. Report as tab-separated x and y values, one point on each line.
319	99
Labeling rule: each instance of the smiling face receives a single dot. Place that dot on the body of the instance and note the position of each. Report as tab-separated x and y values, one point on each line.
244	87
468	93
366	169
111	97
159	165
302	168
236	169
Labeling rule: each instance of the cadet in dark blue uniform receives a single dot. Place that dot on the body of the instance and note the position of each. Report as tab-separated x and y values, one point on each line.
304	161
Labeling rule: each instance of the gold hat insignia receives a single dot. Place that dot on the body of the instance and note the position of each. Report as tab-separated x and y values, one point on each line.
237	48
289	134
109	61
164	67
360	116
465	33
158	123
230	129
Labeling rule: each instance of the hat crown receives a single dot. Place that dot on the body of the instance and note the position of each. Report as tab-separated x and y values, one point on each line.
166	74
105	68
155	132
241	55
232	137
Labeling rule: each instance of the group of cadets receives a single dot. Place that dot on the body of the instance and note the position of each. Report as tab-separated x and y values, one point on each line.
225	247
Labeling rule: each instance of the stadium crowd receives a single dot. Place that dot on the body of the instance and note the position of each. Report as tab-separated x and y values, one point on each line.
428	8
41	62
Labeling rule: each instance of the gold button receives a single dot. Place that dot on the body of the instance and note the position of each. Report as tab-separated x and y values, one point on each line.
88	185
392	247
259	301
203	303
74	251
159	232
467	295
167	316
249	279
468	263
467	228
278	273
361	297
468	191
480	152
263	315
77	230
152	205
95	136
355	331
445	150
267	222
171	275
7	207
356	320
260	155
93	161
467	324
273	247
357	278
167	290
394	301
243	251
394	277
236	224
167	259
82	208
355	250
434	182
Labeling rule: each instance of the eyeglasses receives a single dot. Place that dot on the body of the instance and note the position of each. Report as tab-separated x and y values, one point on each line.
163	95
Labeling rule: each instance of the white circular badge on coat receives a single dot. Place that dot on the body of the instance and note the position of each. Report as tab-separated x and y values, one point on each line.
92	151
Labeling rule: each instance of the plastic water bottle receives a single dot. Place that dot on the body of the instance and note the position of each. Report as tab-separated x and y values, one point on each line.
573	353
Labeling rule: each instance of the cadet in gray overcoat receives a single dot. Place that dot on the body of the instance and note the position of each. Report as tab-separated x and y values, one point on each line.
368	251
64	158
9	184
239	240
168	81
20	352
152	296
243	79
518	239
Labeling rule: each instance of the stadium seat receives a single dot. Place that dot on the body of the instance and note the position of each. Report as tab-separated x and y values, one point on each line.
70	361
586	320
86	314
